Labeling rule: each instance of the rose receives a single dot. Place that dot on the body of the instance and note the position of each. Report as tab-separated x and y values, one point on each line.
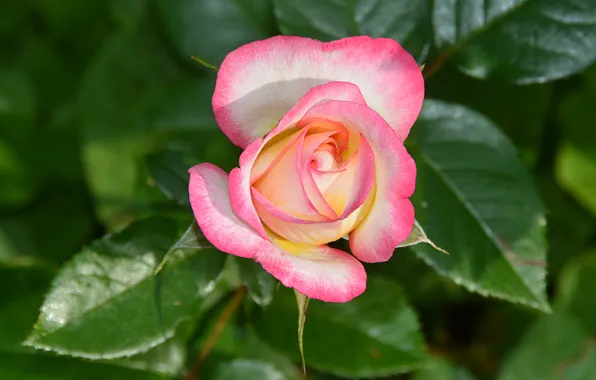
322	126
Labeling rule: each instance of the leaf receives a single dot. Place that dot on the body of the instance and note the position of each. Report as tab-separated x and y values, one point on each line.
116	132
440	369
576	290
405	21
419	236
302	303
212	28
204	63
168	358
21	293
381	328
478	202
260	284
575	165
43	367
556	347
241	369
523	41
521	112
193	238
170	173
113	280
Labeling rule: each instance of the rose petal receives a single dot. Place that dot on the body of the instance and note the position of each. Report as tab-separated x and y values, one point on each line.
346	190
391	216
319	272
208	192
305	231
282	185
258	83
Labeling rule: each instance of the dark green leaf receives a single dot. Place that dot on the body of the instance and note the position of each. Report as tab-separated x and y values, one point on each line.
21	293
576	160
106	303
519	111
43	367
170	172
261	285
556	347
212	28
478	202
524	41
407	22
375	334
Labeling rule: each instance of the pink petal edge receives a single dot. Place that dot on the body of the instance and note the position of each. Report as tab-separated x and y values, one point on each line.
259	82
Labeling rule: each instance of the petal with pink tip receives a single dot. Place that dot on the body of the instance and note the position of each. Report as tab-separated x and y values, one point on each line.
210	201
391	216
319	272
259	82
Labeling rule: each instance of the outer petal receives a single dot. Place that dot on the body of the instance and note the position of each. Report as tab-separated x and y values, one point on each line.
208	190
259	82
239	189
391	216
318	272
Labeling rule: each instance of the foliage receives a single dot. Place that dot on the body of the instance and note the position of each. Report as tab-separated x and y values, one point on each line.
102	111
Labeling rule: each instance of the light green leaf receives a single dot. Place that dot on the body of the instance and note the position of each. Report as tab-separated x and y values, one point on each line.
575	165
302	303
212	28
407	22
477	200
380	326
418	236
576	290
241	369
440	369
113	280
555	348
524	41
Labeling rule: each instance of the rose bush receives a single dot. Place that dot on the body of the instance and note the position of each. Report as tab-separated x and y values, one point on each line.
322	126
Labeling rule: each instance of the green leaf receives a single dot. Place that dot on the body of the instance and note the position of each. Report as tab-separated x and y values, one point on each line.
556	347
170	172
43	367
519	111
21	293
566	239
167	358
380	326
440	369
116	134
212	28
113	281
407	22
524	41
241	369
575	166
418	236
576	290
477	200
302	303
260	284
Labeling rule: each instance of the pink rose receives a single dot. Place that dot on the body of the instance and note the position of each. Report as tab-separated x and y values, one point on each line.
322	126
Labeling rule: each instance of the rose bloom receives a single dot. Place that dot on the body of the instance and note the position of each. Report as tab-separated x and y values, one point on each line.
322	126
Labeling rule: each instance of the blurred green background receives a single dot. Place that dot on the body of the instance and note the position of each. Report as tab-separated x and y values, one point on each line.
98	98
